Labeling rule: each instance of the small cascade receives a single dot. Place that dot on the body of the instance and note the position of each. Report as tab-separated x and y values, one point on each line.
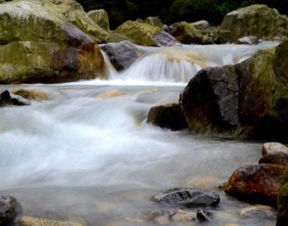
181	63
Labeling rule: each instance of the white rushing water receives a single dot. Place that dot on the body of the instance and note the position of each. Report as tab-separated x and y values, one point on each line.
87	153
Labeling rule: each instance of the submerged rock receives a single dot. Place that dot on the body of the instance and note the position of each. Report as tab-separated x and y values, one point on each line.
31	94
167	116
187	197
258	210
257	20
36	221
7	99
10	209
256	182
122	55
273	147
41	41
278	158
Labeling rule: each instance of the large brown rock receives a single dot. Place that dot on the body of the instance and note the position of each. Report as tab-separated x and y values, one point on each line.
256	182
257	20
122	55
41	41
279	158
283	201
167	116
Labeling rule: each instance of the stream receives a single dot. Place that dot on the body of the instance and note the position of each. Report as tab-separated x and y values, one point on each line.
88	155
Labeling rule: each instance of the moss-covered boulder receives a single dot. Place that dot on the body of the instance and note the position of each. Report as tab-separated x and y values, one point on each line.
257	20
248	99
138	32
100	17
185	32
39	43
283	201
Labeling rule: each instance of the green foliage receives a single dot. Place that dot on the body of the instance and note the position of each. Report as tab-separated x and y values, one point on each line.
171	11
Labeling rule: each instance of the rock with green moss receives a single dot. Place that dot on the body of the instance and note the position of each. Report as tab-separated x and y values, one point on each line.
38	43
283	201
185	32
100	17
256	20
138	32
249	99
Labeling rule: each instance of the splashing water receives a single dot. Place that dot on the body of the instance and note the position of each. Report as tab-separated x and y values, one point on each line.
88	155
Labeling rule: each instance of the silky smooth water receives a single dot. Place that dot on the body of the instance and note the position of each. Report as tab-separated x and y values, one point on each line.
87	154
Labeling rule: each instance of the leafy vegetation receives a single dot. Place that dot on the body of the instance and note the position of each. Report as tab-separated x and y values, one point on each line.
171	11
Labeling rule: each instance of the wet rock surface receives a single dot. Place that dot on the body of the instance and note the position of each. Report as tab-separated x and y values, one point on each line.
248	40
187	197
10	208
7	99
167	116
122	55
36	221
258	183
279	158
31	94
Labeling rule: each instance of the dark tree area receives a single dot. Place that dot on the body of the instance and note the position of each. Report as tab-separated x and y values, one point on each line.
175	10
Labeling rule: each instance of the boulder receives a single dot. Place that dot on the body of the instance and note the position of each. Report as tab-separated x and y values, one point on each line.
153	20
187	197
164	39
273	147
257	20
167	116
210	100
31	94
39	43
282	216
256	182
279	158
7	99
100	17
122	55
248	100
138	32
10	209
184	32
36	221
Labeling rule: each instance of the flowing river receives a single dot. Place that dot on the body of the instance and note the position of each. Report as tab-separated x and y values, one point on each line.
88	155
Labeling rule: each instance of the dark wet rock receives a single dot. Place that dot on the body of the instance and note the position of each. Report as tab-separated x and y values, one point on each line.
10	208
273	147
184	32
7	99
210	100
278	158
282	204
248	40
122	55
203	216
164	39
167	116
187	197
258	183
